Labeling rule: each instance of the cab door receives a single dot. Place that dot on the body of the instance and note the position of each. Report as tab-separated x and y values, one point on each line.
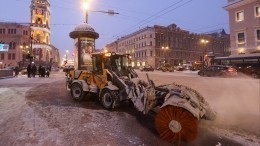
99	73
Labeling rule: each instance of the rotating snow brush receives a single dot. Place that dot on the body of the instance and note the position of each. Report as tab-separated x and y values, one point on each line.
175	124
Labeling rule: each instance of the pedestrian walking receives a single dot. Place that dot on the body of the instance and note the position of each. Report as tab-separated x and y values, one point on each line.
43	72
34	69
29	70
40	71
16	71
47	72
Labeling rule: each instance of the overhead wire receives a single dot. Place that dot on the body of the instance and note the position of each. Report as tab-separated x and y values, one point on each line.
137	25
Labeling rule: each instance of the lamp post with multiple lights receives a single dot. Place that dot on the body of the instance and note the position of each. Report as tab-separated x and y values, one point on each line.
24	49
204	42
165	51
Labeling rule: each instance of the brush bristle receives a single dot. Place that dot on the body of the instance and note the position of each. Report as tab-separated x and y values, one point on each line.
188	122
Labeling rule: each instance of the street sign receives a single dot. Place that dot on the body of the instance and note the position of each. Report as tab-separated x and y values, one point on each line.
4	47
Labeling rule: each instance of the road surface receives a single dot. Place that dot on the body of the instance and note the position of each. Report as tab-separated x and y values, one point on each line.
39	111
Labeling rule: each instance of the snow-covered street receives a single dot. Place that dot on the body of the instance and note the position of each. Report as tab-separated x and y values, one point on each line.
39	111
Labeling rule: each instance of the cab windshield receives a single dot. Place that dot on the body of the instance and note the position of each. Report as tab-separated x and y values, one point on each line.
119	63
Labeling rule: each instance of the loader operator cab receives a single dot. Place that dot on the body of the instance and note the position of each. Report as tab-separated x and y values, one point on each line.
119	64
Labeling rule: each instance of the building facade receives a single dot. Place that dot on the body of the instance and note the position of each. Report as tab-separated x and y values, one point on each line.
158	45
29	40
42	50
17	36
244	20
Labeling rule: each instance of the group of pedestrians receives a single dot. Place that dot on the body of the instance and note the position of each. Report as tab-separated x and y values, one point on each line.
43	71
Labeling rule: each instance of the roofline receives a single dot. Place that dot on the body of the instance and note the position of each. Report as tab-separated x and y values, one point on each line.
238	3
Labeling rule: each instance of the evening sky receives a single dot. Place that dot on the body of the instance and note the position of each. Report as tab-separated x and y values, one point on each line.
197	16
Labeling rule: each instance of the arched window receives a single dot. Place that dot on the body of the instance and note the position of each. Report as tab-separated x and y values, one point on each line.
47	39
38	38
47	24
39	21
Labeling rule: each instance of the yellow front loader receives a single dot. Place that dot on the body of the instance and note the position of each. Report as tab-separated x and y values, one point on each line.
114	81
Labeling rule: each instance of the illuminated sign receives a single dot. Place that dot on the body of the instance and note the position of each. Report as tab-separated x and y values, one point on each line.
4	47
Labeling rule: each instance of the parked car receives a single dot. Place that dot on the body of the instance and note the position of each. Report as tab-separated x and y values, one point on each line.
251	69
167	67
218	70
179	68
147	68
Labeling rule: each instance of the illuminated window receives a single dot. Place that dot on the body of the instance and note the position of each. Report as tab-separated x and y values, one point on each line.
239	16
257	11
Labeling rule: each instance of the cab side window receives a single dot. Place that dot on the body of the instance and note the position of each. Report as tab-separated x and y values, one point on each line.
97	66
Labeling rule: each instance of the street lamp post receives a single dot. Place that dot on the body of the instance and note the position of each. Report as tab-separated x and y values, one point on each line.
86	8
204	42
165	50
24	48
31	48
67	51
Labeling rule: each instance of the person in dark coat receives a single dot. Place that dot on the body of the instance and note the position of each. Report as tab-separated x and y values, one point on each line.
16	71
29	69
43	71
34	69
47	72
40	71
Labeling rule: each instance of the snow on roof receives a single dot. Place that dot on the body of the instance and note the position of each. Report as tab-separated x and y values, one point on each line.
84	27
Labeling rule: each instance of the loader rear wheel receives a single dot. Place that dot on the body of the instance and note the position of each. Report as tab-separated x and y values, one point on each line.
107	99
77	92
175	124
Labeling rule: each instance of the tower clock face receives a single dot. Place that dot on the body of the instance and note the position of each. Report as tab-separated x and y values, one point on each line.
39	11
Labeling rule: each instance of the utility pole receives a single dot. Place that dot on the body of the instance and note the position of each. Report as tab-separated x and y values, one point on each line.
31	39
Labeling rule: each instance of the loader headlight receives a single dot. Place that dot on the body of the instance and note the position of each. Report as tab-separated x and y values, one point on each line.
107	54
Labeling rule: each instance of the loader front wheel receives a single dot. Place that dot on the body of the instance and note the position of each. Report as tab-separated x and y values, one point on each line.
77	92
176	124
106	99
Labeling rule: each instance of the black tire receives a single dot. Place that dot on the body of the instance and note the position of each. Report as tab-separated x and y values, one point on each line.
77	92
106	99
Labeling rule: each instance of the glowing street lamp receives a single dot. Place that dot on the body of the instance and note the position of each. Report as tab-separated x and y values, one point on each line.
86	8
165	50
67	51
204	42
24	49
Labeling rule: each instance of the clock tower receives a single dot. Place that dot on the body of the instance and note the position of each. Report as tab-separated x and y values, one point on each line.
40	31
